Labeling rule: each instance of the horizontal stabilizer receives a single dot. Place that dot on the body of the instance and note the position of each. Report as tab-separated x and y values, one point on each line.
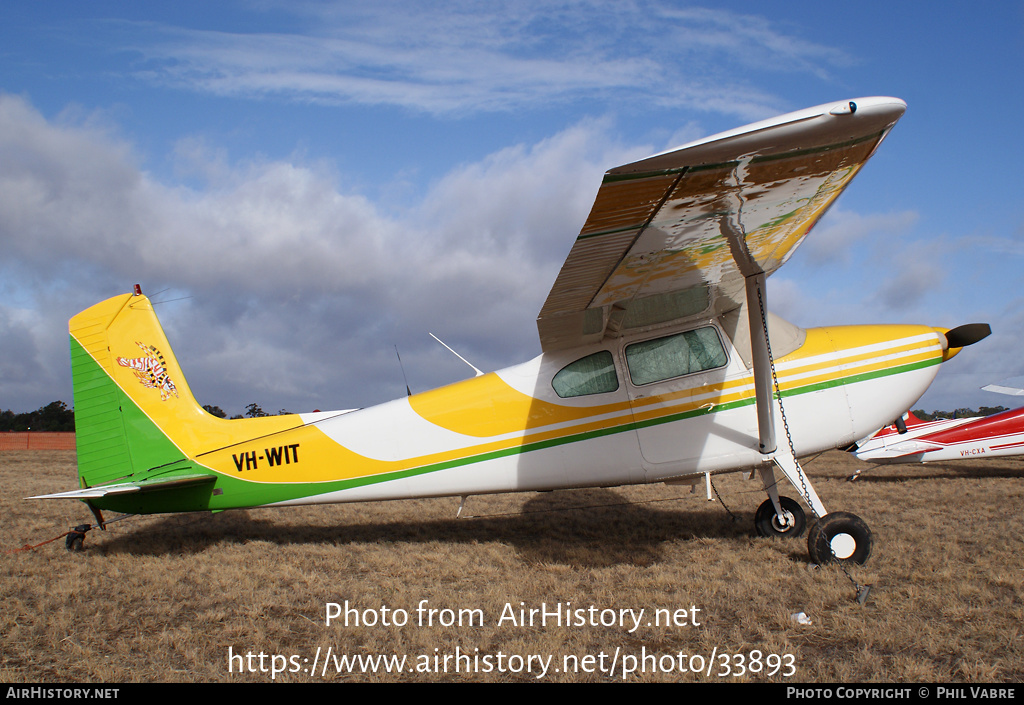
163	483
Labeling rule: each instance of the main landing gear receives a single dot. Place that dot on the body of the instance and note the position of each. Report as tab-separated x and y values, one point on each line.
838	536
835	536
791	524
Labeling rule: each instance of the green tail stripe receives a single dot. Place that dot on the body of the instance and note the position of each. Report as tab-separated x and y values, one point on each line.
114	437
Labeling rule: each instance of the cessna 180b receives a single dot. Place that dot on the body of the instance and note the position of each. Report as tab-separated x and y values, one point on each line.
659	363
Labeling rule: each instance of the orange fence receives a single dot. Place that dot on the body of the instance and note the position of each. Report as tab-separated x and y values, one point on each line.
37	441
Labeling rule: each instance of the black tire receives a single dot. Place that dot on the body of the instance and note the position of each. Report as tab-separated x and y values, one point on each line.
766	521
76	538
839	536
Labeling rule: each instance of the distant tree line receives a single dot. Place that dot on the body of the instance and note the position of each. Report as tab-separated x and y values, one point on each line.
58	416
252	411
957	413
55	416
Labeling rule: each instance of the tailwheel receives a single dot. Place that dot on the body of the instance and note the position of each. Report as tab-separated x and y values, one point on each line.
767	522
839	536
75	540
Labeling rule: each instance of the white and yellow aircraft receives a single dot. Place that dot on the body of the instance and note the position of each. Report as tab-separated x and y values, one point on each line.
656	365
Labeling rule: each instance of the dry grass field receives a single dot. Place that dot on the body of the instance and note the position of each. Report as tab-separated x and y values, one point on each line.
200	597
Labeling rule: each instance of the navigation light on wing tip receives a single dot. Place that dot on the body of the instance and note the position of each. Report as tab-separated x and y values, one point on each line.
844	109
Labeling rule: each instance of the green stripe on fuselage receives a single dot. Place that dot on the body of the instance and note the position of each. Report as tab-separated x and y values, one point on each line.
294	492
229	493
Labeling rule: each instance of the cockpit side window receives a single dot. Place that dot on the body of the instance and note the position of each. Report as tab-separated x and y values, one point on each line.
675	356
593	374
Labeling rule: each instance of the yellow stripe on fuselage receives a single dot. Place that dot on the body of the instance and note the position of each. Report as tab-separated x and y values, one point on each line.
487	413
486	407
828	356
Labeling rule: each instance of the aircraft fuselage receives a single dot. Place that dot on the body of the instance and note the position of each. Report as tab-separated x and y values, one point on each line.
616	413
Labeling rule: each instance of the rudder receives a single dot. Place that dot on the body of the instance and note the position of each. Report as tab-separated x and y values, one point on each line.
123	371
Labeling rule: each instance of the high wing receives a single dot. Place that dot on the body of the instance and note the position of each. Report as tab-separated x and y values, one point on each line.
677	234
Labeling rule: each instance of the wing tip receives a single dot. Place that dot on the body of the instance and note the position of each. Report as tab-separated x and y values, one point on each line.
872	114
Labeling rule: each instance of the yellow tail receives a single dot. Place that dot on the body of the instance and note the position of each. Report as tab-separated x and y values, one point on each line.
135	416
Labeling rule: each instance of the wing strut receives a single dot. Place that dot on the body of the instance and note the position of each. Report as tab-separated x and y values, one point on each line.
756	310
764	388
730	225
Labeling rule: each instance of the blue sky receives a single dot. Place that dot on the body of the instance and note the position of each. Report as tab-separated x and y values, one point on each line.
309	184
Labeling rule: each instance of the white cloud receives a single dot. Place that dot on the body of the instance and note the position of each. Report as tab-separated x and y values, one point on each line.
296	288
844	236
459	57
751	41
914	280
989	361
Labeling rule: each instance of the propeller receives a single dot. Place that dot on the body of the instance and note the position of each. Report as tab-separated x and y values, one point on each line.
967	334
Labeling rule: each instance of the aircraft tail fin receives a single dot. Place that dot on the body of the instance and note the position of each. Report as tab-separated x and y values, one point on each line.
130	394
144	443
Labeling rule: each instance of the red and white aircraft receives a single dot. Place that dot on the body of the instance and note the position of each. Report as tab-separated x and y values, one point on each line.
920	441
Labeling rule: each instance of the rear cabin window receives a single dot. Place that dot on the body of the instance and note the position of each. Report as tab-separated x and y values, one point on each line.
593	374
675	356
